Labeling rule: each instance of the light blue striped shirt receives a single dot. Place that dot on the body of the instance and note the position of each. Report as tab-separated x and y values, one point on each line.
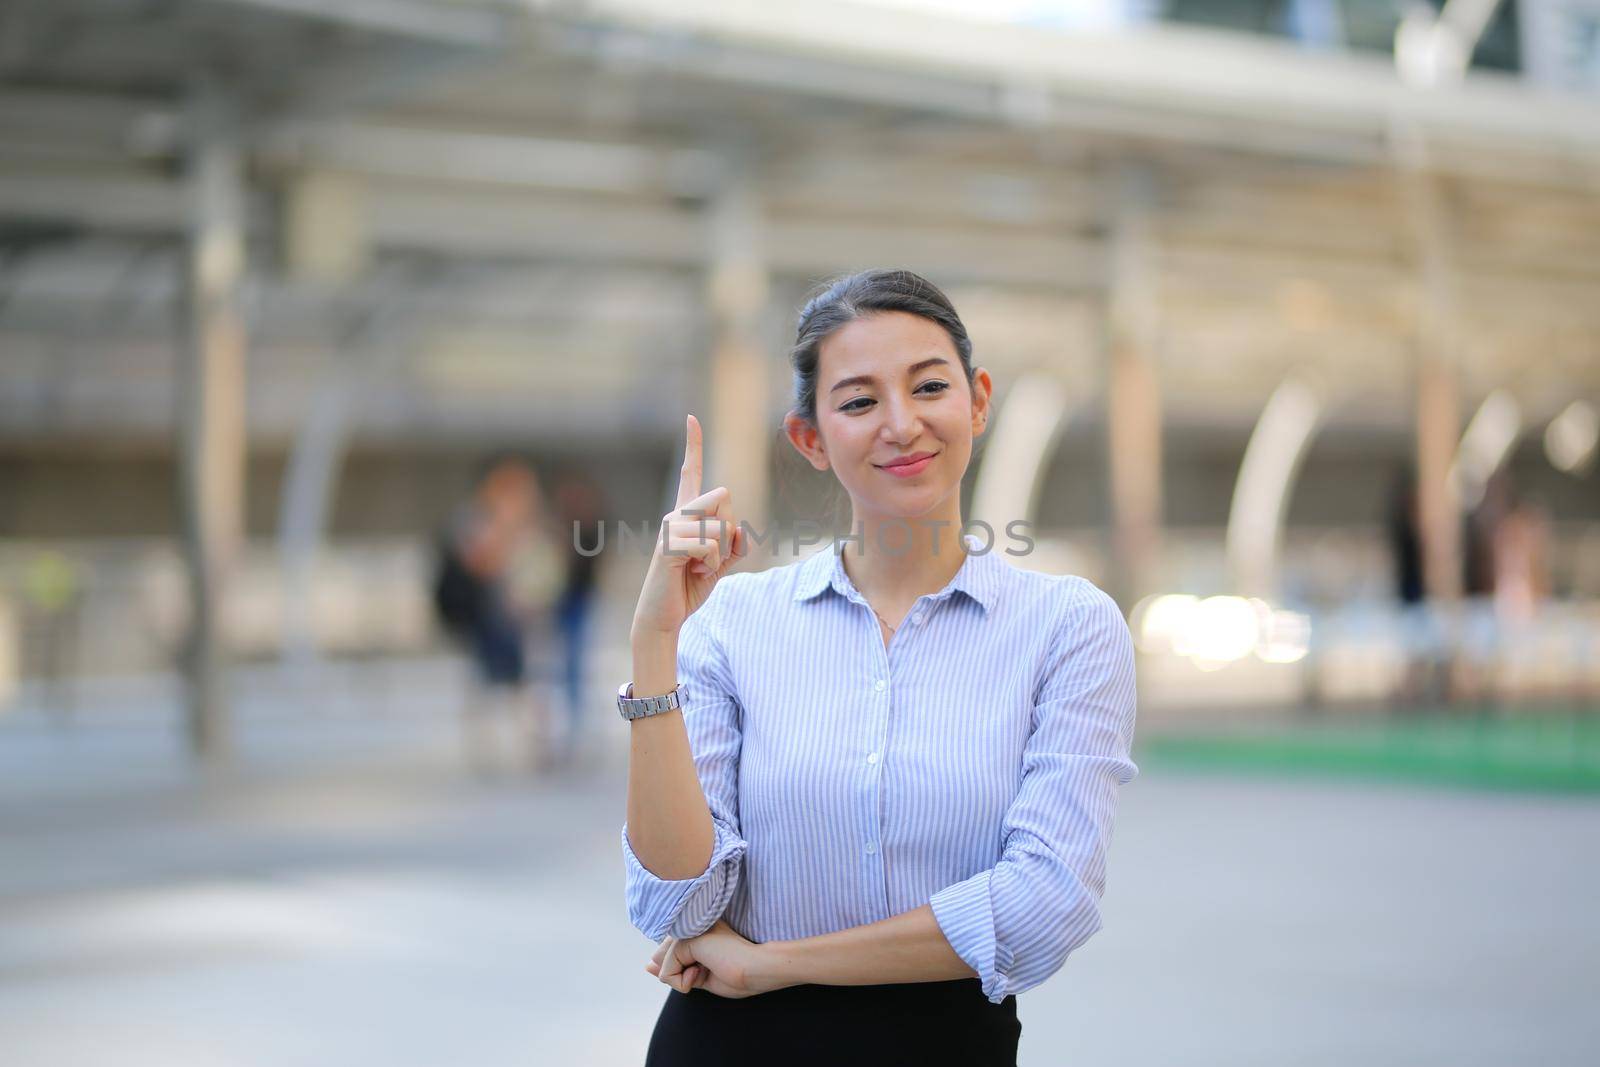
972	764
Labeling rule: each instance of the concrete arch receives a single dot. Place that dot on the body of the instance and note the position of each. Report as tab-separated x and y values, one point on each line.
1022	438
1267	474
1276	453
313	469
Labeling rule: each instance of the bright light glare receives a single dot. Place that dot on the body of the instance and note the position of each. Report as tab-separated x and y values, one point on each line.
1286	638
1221	629
1158	621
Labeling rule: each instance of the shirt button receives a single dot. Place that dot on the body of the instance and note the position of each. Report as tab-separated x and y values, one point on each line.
878	685
872	757
916	616
872	847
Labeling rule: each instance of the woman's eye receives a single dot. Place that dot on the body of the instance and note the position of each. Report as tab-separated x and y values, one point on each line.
861	403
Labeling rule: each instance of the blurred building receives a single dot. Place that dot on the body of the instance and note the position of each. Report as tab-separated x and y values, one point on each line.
394	234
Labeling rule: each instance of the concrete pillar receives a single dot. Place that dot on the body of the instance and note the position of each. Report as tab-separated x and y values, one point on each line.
1438	503
1133	394
211	406
1433	52
741	426
1438	340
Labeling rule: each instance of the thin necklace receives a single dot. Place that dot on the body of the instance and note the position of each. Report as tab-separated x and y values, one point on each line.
873	609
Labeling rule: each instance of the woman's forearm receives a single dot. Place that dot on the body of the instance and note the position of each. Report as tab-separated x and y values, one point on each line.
669	824
909	947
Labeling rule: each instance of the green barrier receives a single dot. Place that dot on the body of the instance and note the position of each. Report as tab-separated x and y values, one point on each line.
1551	751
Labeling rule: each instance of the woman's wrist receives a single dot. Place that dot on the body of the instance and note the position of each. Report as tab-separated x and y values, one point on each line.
779	965
655	663
909	947
649	637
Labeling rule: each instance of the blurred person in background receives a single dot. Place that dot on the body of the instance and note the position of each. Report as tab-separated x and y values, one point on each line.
473	601
1521	584
1521	560
581	513
1419	627
1481	633
870	792
53	602
1405	541
1482	523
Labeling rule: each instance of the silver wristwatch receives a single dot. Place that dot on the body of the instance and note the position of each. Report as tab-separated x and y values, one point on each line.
633	707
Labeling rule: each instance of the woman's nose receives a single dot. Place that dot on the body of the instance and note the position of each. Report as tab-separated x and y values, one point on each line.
901	420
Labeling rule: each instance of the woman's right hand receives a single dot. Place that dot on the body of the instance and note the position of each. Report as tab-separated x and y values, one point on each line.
698	542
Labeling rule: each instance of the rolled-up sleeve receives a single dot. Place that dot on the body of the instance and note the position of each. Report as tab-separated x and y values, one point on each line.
1015	923
687	907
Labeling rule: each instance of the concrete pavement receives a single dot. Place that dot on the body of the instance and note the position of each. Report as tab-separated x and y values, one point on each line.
375	905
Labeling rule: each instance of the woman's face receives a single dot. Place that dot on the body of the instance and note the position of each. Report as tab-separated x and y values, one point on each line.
511	494
889	386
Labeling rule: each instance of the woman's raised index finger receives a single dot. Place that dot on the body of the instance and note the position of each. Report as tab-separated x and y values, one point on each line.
689	477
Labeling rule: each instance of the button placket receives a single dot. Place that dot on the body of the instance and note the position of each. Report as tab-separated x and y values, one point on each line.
872	820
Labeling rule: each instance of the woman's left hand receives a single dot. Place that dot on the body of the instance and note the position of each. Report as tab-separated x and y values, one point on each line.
718	961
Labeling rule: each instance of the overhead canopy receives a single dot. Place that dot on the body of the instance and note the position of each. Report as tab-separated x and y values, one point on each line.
529	183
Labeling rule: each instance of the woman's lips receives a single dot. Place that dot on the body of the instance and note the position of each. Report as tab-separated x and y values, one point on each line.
910	470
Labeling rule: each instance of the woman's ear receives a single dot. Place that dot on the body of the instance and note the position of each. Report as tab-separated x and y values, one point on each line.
807	440
982	407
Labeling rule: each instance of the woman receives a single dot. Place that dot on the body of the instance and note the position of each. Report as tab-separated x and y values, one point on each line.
471	595
880	807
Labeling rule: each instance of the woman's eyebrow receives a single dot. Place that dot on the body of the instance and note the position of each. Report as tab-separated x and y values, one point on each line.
867	379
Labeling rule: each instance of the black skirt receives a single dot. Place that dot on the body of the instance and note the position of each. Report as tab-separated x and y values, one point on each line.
919	1023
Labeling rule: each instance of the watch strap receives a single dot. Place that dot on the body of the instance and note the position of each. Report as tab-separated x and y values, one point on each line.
632	707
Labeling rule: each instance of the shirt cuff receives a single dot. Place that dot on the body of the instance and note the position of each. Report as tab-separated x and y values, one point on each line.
965	913
684	907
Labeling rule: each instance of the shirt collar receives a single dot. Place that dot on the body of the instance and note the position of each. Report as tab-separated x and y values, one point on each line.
979	576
